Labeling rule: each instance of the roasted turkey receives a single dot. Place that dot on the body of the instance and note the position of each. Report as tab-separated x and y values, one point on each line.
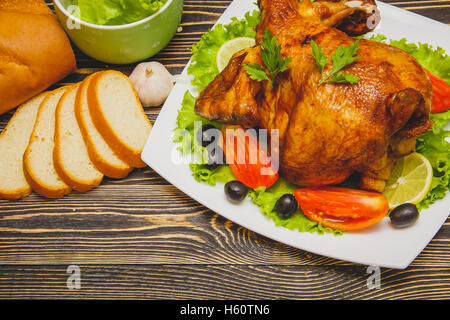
326	132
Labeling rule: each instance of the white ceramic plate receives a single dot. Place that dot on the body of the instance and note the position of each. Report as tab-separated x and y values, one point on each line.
379	245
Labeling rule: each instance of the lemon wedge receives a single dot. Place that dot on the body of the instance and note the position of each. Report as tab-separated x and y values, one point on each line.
229	48
410	180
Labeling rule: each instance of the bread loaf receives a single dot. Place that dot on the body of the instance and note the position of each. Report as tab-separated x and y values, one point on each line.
13	142
34	51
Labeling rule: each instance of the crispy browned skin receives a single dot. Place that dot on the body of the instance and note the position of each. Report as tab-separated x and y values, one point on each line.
326	132
354	17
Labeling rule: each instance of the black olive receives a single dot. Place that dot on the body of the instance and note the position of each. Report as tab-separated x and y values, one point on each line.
235	191
286	206
216	157
207	134
404	215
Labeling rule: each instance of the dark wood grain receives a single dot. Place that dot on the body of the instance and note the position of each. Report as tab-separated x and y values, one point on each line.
140	237
224	282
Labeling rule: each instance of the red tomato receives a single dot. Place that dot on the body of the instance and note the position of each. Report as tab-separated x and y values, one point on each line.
441	93
341	208
249	163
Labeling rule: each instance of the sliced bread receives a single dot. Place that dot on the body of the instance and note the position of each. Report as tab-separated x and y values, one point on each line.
118	115
13	142
101	155
38	157
70	154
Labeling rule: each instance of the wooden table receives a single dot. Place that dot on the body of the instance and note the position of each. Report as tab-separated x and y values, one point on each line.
140	237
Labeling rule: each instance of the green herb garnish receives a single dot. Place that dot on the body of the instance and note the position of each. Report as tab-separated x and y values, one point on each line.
271	57
319	56
341	58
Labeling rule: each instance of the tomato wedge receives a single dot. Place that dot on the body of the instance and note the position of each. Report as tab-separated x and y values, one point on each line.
249	162
341	208
441	93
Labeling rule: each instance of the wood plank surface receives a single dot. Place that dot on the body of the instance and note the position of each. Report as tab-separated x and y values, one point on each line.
223	282
140	237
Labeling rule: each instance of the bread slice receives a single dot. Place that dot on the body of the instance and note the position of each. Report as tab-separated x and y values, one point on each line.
101	155
118	115
70	154
38	157
13	141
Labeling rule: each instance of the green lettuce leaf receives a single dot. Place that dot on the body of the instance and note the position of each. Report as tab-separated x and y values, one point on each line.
117	12
440	120
203	64
184	132
436	149
222	174
266	200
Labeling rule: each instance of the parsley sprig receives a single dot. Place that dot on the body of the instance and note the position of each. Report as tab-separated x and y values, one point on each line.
341	58
271	57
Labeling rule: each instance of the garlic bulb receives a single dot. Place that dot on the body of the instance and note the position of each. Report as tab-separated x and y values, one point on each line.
152	82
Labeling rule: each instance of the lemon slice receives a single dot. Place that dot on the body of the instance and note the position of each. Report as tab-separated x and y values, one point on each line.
410	180
229	48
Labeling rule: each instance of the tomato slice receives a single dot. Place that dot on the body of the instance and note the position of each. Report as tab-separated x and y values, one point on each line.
249	162
441	93
342	208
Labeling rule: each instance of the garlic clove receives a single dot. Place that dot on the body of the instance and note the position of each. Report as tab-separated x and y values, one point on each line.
153	83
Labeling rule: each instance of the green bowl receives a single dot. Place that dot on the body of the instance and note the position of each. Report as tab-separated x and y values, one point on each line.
123	44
